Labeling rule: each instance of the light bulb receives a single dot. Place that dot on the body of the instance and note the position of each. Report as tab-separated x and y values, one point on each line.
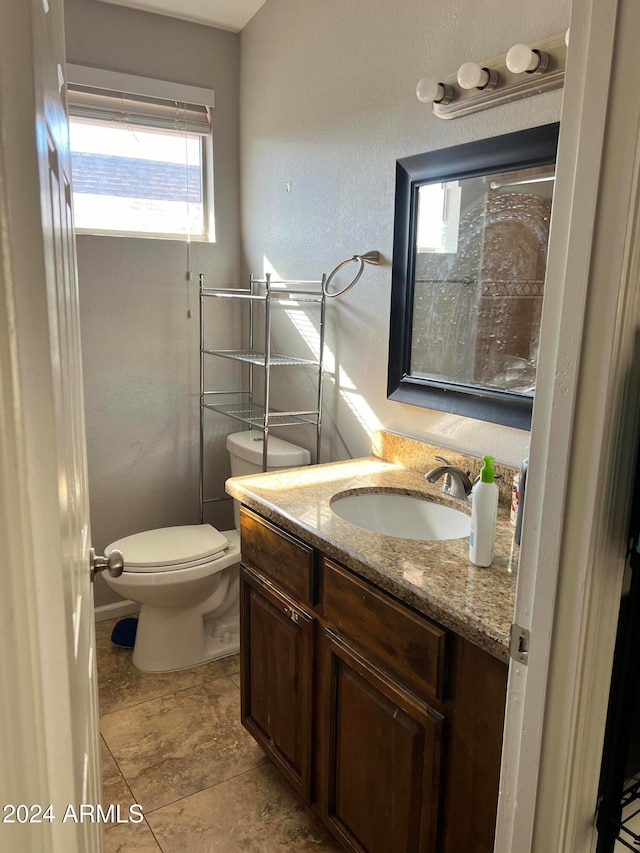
473	76
429	91
521	58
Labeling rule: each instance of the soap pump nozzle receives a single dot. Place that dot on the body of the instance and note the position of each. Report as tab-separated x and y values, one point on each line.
487	474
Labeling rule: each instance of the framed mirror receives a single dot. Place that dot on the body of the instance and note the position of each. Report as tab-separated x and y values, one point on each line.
469	261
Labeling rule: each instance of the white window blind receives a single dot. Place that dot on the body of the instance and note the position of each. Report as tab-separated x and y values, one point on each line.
137	111
142	155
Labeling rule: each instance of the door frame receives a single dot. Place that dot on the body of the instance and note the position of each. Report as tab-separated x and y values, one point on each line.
36	709
583	449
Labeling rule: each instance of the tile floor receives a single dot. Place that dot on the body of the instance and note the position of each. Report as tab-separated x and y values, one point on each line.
173	743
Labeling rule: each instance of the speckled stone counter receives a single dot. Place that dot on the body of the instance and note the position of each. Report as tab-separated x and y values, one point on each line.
434	577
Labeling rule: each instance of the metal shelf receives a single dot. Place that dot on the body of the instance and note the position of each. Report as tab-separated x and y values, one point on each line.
277	295
259	358
240	405
630	812
254	415
617	828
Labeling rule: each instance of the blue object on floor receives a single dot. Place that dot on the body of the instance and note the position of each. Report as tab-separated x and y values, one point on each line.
124	632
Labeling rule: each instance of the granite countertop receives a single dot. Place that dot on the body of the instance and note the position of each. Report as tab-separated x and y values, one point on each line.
434	577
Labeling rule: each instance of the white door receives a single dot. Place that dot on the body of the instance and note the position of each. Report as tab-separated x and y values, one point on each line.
48	722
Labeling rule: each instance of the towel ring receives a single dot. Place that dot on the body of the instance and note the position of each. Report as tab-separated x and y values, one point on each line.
368	258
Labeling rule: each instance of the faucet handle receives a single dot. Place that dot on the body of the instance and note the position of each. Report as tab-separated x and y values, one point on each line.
442	459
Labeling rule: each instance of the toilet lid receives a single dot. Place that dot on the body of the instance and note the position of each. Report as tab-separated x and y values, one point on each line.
170	547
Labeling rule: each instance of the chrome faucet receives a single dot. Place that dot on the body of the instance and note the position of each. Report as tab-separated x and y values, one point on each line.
456	483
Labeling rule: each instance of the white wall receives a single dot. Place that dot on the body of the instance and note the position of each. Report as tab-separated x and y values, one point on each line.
140	349
328	103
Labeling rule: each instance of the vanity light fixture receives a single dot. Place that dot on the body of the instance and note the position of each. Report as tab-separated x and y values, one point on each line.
520	59
525	70
474	76
430	91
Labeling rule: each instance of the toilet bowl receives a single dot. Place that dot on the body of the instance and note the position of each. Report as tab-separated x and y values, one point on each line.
186	579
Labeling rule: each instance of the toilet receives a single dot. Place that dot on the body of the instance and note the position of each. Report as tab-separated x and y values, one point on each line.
186	578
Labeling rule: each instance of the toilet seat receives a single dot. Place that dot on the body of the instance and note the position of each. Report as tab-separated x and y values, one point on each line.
170	549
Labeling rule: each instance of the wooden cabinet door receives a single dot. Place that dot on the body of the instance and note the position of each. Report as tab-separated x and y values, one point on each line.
381	745
276	676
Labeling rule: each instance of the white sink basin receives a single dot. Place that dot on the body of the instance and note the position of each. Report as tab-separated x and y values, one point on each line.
403	516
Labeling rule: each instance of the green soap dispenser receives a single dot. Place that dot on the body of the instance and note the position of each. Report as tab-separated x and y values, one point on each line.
484	514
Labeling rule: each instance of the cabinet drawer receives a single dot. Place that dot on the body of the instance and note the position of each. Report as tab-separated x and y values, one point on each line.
410	644
280	556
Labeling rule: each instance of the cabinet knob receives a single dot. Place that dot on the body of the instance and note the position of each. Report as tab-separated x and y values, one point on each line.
290	612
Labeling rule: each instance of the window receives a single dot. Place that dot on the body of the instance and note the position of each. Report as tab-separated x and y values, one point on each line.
438	217
141	165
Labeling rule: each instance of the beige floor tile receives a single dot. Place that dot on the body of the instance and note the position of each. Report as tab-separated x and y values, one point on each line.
231	664
121	685
173	746
114	788
257	812
130	838
235	679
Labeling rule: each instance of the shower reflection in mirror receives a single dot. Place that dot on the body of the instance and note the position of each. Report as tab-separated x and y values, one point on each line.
480	262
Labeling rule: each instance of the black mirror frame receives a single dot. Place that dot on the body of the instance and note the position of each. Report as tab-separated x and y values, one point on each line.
520	150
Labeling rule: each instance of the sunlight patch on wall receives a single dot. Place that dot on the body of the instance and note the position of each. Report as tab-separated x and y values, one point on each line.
361	410
310	334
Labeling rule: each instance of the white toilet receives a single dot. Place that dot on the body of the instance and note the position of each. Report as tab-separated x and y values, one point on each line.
186	578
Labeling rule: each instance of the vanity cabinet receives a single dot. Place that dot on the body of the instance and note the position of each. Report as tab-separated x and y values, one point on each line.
381	756
277	677
389	725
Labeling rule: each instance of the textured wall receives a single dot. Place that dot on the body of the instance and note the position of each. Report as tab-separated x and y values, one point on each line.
328	104
140	348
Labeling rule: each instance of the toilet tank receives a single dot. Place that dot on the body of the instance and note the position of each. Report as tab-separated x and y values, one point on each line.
245	452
